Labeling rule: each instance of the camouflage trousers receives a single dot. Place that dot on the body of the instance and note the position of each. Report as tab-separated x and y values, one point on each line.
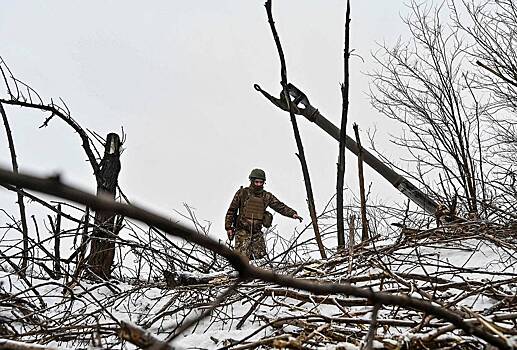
251	245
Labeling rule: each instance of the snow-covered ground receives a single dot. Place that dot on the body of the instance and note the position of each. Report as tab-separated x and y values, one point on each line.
469	268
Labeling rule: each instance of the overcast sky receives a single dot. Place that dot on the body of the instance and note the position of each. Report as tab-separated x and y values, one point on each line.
178	77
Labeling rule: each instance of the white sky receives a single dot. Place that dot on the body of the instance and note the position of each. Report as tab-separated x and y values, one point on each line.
178	76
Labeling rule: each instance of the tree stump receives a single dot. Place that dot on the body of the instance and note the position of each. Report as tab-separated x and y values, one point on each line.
102	249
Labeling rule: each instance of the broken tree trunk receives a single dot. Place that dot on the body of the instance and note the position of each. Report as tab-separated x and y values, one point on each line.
102	249
364	219
340	179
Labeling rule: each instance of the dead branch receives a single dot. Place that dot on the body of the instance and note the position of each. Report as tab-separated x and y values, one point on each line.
16	345
345	87
53	187
299	145
21	204
140	337
68	120
364	219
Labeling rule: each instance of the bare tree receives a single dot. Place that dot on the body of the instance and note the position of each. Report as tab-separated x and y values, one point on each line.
492	26
105	168
423	84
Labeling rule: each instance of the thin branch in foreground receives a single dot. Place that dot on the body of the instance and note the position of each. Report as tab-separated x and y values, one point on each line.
52	186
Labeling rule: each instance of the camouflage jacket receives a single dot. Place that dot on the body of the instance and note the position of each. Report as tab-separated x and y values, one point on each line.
269	201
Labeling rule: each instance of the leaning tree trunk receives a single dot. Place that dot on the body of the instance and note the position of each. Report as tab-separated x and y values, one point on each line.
102	249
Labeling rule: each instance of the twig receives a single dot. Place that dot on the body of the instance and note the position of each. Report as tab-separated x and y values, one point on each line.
68	120
496	73
373	328
228	292
16	345
53	187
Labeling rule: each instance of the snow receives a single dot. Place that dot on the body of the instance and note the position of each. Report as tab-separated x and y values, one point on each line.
97	307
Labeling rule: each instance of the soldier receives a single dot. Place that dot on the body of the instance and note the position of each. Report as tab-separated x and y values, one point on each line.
247	214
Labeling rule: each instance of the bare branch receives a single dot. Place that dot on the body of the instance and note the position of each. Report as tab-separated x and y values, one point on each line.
246	271
301	153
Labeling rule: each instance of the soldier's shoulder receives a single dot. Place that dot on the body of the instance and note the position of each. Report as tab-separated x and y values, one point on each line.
268	194
241	190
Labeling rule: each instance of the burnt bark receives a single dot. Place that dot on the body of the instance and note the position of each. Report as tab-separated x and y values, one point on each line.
102	249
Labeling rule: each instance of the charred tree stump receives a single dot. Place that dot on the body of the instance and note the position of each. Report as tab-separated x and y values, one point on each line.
102	249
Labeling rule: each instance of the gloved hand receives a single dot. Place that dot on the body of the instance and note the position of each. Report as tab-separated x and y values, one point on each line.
295	216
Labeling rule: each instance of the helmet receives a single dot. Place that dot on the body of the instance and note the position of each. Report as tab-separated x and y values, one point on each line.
258	174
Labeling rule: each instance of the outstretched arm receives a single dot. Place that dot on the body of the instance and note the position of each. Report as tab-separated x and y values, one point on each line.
282	208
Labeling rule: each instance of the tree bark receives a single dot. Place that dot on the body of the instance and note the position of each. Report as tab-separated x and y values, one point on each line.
102	249
364	219
141	337
342	136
